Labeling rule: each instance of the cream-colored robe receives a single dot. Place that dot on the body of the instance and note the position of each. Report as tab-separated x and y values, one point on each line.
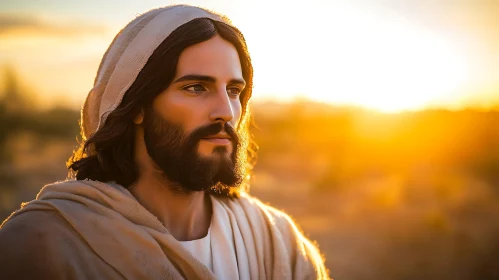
93	230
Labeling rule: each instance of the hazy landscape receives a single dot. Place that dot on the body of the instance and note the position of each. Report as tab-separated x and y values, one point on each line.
386	196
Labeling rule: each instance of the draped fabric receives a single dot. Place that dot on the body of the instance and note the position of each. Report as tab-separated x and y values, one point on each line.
106	231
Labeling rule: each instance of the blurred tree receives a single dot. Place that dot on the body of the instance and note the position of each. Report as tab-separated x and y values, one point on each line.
20	115
10	102
12	95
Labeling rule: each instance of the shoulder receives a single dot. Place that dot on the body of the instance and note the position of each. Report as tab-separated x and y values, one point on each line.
279	219
306	256
31	245
31	227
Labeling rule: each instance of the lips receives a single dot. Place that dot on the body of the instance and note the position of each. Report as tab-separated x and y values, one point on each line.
223	139
218	136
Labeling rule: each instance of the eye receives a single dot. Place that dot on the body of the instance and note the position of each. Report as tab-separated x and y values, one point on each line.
234	91
197	88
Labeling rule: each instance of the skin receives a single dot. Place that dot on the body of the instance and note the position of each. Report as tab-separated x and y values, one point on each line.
191	102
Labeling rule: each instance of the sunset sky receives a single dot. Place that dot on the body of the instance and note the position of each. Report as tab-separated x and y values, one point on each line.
380	54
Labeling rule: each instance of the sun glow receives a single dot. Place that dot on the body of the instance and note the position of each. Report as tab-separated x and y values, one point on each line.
342	53
351	56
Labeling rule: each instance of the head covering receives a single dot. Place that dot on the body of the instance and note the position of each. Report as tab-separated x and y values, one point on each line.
127	55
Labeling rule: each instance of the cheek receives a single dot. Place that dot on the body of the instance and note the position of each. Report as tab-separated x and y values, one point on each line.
179	110
237	111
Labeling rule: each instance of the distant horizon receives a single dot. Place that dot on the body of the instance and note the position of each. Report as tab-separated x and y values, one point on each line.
385	56
35	100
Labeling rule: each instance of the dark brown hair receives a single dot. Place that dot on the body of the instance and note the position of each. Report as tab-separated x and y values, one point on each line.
108	155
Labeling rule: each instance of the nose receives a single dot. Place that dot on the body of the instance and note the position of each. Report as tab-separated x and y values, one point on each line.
222	110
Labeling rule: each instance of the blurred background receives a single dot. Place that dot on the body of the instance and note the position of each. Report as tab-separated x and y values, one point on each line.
377	121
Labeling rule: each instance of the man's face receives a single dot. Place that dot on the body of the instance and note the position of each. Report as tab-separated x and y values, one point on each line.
189	130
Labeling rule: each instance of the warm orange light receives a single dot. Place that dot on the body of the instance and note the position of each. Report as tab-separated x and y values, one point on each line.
347	55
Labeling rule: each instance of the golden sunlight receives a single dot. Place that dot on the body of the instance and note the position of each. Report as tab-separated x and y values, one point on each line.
354	54
374	122
379	61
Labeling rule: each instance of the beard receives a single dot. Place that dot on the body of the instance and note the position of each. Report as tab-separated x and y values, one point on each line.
176	155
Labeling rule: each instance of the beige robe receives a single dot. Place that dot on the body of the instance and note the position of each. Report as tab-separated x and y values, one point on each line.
93	230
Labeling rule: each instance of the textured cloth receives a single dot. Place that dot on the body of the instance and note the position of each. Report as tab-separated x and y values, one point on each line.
92	230
217	251
201	249
127	55
225	241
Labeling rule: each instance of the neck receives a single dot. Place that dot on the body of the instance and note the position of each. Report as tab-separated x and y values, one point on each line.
187	216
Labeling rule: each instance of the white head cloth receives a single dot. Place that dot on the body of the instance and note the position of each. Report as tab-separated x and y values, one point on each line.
127	55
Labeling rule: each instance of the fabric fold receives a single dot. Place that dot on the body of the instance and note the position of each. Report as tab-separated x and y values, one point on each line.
119	230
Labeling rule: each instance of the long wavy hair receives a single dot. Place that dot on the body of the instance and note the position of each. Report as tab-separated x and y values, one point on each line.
108	154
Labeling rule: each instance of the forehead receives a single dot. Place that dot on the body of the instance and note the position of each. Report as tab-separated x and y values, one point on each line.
215	57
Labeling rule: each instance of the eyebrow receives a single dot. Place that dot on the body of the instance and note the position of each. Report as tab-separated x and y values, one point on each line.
195	77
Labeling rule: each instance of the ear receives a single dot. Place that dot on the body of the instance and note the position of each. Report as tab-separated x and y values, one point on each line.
139	118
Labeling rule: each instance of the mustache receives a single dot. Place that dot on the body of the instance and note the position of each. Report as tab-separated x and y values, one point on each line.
212	129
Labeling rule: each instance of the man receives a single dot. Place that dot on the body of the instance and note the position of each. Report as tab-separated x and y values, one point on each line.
161	177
